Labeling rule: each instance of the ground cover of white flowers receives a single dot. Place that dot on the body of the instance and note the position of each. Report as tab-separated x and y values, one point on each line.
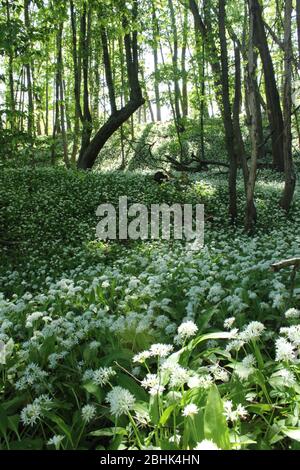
144	345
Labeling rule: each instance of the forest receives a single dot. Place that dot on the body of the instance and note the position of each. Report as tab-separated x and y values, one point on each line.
130	341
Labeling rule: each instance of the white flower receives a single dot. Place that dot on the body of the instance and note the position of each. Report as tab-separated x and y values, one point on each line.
284	350
190	410
219	373
56	441
292	313
151	380
233	415
105	284
31	414
289	378
142	356
194	381
229	322
175	439
160	350
229	412
249	361
206	445
156	390
121	401
179	376
292	333
205	381
30	319
102	376
88	412
187	330
6	350
252	331
241	411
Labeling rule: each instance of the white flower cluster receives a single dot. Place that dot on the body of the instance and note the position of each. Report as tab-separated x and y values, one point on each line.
120	400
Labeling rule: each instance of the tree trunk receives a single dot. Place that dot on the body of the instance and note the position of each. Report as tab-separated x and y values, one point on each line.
290	177
228	125
30	125
185	102
85	36
250	216
136	99
272	95
11	75
155	29
174	48
61	94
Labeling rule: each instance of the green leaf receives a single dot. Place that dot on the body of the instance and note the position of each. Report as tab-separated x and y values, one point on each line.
292	433
108	432
61	424
94	389
166	414
154	410
215	425
201	339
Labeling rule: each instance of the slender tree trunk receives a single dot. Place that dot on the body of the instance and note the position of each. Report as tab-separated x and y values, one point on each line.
185	103
30	125
298	28
77	84
250	216
290	177
272	95
11	74
61	94
155	29
228	125
174	46
239	143
85	36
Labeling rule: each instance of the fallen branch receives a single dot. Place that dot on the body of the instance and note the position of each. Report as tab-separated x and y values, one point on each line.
295	262
286	263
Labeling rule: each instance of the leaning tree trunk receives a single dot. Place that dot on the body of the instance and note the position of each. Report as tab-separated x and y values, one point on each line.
118	116
290	177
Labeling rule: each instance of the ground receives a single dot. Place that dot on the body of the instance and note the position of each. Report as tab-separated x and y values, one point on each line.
145	344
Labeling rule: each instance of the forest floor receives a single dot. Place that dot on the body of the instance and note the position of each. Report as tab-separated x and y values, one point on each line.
145	344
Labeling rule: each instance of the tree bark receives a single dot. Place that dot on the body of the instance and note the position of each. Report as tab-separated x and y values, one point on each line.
250	216
155	29
136	99
30	125
272	95
228	125
290	177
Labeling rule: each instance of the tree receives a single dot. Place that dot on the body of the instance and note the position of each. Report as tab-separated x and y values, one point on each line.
272	95
289	171
226	111
118	116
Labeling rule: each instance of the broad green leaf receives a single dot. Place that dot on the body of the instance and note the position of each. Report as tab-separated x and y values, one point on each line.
292	433
215	425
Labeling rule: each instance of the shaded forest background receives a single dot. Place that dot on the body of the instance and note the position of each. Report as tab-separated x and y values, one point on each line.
173	84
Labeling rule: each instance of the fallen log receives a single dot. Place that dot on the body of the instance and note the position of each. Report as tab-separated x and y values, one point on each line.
287	263
295	262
